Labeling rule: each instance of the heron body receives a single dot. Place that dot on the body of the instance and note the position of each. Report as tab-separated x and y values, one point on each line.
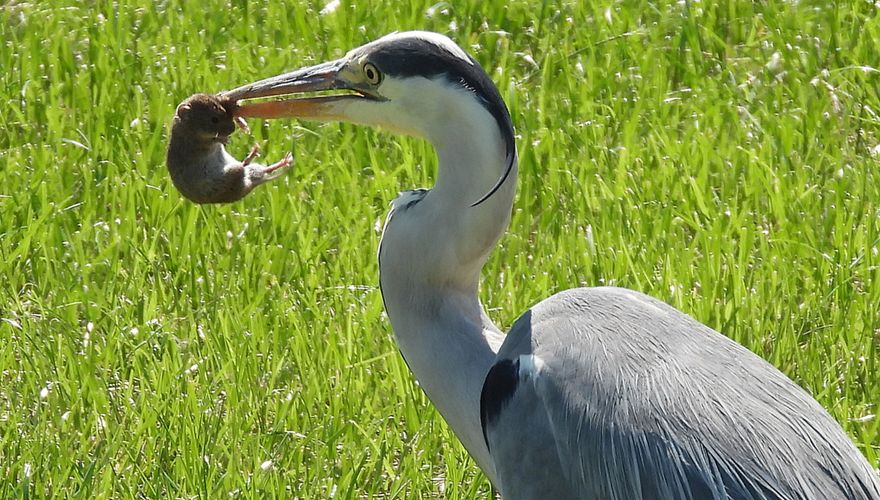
595	393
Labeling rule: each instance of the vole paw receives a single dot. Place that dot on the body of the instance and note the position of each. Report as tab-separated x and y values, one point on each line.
255	151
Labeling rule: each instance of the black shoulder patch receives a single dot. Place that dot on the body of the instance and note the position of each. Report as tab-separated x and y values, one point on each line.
498	388
421	193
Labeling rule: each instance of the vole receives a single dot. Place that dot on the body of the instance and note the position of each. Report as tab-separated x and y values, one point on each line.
197	160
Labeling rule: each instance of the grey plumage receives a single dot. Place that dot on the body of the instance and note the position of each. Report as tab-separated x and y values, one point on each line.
636	400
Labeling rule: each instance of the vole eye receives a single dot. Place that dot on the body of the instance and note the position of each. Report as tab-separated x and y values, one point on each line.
371	72
214	119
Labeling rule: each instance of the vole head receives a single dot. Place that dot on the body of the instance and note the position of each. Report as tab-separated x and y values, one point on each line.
205	118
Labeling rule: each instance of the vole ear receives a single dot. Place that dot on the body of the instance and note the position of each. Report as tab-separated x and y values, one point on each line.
183	107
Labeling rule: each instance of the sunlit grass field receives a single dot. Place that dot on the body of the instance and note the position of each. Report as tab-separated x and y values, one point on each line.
721	156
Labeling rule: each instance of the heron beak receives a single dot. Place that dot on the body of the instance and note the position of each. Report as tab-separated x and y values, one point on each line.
320	78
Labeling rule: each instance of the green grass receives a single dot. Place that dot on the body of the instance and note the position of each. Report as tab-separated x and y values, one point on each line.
715	155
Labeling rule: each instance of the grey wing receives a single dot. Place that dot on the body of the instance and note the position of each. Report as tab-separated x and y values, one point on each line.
606	393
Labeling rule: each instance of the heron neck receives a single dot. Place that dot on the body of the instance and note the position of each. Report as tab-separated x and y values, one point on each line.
449	344
433	249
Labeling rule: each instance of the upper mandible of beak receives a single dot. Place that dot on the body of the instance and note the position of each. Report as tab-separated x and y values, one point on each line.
324	76
321	77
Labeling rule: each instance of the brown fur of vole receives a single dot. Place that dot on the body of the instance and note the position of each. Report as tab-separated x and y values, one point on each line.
197	160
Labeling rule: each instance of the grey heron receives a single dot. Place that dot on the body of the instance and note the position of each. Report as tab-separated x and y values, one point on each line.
594	393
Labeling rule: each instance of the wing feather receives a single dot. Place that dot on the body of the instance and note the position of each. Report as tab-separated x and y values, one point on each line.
636	400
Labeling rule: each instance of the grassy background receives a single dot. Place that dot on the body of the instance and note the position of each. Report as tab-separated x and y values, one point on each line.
722	156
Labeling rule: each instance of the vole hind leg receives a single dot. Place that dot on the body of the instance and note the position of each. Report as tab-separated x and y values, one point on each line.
279	167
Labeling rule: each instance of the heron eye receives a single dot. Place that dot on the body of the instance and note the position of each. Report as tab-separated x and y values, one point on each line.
374	77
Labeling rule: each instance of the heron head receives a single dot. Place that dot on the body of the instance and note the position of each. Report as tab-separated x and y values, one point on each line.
406	82
415	83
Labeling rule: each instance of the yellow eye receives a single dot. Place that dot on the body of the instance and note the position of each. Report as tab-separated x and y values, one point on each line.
371	72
